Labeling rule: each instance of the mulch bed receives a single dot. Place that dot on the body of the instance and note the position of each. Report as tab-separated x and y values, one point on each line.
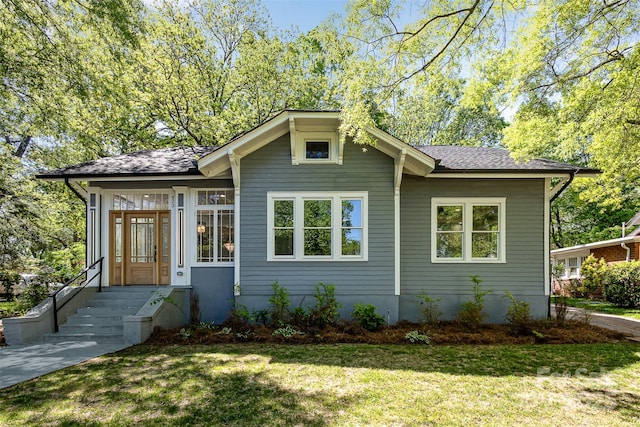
445	333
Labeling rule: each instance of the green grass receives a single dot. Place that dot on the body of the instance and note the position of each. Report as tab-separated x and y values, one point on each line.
603	307
260	384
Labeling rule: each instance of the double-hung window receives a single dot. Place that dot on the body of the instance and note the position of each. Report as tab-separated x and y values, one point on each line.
214	237
468	230
315	226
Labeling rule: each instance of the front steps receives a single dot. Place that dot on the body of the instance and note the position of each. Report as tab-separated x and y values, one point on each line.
102	319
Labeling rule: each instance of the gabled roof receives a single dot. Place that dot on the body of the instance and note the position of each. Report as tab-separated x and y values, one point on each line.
421	160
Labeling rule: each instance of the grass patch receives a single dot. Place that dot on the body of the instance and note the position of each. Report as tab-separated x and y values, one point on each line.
346	384
602	307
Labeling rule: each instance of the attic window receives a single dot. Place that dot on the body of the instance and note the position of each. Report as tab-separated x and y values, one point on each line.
315	147
316	150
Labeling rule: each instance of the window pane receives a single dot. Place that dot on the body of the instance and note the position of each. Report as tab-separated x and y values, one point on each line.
202	198
283	242
352	213
317	213
485	218
317	241
449	245
283	213
450	218
484	245
351	241
317	149
205	235
226	245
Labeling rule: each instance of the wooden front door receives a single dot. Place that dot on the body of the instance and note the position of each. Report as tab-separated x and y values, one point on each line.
140	248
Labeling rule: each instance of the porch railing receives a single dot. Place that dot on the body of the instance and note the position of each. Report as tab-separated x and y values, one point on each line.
84	273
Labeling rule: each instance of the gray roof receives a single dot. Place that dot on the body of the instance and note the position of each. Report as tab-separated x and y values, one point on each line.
163	161
183	161
488	159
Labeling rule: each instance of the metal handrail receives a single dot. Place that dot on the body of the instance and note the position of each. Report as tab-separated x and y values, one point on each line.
87	281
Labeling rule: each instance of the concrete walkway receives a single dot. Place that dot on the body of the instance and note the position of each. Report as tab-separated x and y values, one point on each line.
23	362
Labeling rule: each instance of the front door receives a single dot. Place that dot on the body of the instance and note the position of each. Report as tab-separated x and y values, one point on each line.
140	248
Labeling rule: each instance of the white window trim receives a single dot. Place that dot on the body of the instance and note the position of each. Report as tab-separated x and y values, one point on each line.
298	228
192	231
303	136
467	220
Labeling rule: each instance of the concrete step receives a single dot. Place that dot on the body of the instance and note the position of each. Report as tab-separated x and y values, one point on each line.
83	337
113	302
78	319
91	328
109	311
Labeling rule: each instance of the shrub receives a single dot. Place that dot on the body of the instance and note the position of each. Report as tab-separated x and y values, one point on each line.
430	308
561	309
593	271
518	315
33	295
622	284
366	316
279	301
8	280
326	309
472	314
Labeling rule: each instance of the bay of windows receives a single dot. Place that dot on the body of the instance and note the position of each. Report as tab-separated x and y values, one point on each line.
317	226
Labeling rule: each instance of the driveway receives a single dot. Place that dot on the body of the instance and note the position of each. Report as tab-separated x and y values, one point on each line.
626	325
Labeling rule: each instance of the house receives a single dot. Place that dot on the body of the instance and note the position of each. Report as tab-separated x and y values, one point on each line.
626	248
288	202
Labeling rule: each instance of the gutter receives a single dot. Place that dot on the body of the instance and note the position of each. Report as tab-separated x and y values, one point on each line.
74	191
623	245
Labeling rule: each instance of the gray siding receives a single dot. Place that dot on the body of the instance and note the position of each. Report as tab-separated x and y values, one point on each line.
270	169
523	272
215	290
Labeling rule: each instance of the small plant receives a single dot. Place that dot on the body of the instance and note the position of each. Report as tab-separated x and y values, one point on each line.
366	316
415	337
430	308
244	335
279	300
538	336
185	334
472	314
225	331
287	332
207	325
561	309
261	316
326	309
300	316
518	315
239	316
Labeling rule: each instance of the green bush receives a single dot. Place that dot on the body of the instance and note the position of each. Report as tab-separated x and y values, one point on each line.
415	337
593	271
279	305
8	280
33	295
472	314
430	308
326	309
518	316
366	316
622	284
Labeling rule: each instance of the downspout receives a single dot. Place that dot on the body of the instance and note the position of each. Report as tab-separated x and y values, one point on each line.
624	245
551	200
86	206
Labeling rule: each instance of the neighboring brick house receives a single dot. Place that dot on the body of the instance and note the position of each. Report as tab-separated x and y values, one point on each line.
626	248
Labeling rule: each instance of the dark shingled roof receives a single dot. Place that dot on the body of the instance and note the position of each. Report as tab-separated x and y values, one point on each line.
183	161
487	159
163	161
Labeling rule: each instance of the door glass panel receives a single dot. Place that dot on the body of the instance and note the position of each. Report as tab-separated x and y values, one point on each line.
165	239
142	246
118	240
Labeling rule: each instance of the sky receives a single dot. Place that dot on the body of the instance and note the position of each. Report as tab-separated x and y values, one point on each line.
304	14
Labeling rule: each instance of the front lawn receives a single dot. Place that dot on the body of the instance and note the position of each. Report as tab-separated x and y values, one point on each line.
345	384
602	307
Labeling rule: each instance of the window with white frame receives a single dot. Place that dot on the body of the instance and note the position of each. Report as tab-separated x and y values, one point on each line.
214	226
317	147
468	230
316	226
